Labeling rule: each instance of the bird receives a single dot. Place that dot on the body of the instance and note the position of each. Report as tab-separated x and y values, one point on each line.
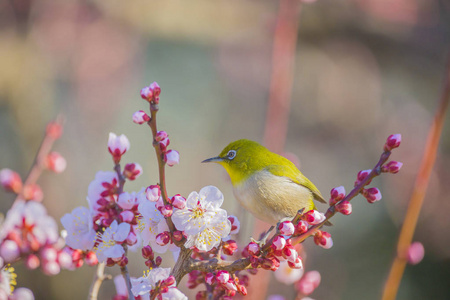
266	184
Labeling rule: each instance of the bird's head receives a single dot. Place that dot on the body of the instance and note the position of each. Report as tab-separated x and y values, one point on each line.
241	159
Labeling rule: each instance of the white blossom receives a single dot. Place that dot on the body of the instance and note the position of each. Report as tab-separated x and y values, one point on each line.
110	241
144	284
80	234
202	220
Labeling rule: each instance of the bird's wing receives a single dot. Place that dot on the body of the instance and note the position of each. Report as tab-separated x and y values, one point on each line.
296	176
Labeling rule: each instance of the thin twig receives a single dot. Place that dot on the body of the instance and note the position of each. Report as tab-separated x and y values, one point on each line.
126	276
99	277
161	166
38	164
419	190
356	190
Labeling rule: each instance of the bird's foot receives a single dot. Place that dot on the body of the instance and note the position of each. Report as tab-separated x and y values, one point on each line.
263	238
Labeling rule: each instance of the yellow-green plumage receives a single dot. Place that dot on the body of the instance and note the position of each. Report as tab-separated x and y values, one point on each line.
265	183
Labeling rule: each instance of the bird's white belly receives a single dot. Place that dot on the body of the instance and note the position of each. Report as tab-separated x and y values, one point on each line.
272	198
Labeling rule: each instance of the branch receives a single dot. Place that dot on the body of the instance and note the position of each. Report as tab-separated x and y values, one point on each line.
99	277
38	164
126	276
161	165
376	171
419	190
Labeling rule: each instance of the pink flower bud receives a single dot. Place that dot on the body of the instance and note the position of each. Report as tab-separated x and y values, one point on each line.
49	254
229	247
337	194
177	235
33	192
54	130
415	253
309	282
56	162
392	167
178	201
10	181
392	142
301	227
163	238
243	290
209	278
132	171
270	263
290	253
147	93
314	217
161	135
126	216
156	91
51	268
223	276
9	251
229	285
164	143
167	210
153	193
159	204
172	157
65	260
344	207
168	282
117	146
235	224
123	261
140	117
147	252
32	262
253	249
22	294
91	258
361	176
298	264
158	261
278	242
323	239
286	228
372	195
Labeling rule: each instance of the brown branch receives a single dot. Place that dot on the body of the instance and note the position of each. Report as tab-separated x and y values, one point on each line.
161	165
356	190
419	190
99	277
39	161
126	276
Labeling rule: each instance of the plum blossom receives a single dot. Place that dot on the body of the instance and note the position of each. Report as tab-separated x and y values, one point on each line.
80	233
287	275
28	225
202	220
10	180
151	224
109	243
104	185
117	146
152	280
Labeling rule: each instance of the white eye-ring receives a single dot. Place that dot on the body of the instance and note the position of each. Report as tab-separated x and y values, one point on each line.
231	154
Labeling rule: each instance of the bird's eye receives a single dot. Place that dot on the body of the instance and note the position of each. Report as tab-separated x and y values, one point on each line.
231	154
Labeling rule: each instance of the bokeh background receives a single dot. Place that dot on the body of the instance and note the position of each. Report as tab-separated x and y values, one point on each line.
363	69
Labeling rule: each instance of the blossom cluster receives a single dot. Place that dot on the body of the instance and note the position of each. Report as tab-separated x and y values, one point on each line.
195	229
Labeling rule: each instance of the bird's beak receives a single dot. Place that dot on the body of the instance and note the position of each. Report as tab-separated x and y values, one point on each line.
213	159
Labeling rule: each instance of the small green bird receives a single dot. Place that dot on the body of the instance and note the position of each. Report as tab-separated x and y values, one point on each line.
266	184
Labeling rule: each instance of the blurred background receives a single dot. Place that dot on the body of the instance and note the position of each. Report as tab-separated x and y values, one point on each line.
364	69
